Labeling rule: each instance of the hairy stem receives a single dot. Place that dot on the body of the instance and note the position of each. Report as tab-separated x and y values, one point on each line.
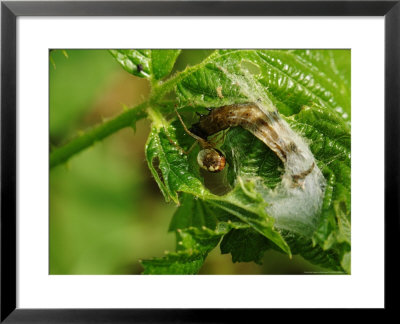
125	119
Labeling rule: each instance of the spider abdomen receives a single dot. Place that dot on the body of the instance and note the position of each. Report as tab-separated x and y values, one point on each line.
211	159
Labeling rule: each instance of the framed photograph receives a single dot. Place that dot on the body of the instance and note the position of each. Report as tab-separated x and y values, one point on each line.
164	158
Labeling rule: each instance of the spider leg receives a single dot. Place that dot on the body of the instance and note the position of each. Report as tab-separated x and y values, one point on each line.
175	144
202	142
191	148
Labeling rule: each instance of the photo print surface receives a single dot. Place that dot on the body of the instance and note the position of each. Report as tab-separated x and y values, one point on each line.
200	161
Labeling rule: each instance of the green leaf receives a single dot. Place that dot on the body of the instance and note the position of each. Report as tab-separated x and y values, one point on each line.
196	234
169	165
163	61
335	66
174	263
288	79
245	245
193	213
252	158
329	259
136	62
150	64
242	206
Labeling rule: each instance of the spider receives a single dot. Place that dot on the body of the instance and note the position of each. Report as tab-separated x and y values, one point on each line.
209	158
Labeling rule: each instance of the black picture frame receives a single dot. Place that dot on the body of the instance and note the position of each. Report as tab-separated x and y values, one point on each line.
11	10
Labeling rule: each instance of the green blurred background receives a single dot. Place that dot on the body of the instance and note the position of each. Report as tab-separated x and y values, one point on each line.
106	211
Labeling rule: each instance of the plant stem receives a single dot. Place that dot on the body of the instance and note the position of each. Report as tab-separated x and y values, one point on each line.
125	119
